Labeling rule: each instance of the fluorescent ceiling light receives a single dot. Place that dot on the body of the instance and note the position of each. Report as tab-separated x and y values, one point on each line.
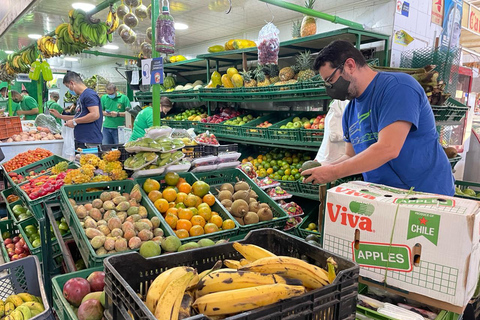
83	6
110	47
34	36
9	51
70	59
180	26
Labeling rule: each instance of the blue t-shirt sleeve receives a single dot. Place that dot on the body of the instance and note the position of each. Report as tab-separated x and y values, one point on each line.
346	135
92	100
400	102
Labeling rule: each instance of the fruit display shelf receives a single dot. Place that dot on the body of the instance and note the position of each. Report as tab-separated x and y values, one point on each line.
217	207
62	308
10	205
7	228
88	192
238	130
126	274
217	178
450	111
463	185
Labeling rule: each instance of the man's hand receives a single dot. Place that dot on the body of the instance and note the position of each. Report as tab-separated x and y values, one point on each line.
69	124
54	113
20	112
320	175
113	114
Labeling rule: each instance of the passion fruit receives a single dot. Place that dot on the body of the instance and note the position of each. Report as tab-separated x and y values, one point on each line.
130	20
122	10
141	11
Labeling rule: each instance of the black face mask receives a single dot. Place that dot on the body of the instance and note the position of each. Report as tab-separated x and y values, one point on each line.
339	89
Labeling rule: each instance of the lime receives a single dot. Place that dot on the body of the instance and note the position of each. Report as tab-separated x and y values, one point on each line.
63	226
281	172
285	178
298	176
312	226
172	178
294	171
291	178
36	243
30	230
275	168
277	177
6	235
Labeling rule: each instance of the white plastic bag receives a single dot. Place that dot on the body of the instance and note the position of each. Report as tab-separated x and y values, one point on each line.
268	44
68	151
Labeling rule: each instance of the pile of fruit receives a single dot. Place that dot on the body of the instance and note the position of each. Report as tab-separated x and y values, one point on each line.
18	178
258	280
16	247
161	144
21	306
12	198
241	120
468	192
232	44
21	212
86	296
243	203
189	86
116	222
195	114
265	124
139	160
94	169
186	208
312	227
223	115
313	123
279	164
43	185
207	138
33	234
33	135
26	158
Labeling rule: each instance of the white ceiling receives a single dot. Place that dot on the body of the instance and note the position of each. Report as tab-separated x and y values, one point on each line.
206	19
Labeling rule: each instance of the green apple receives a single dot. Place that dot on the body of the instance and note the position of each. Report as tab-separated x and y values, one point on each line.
296	119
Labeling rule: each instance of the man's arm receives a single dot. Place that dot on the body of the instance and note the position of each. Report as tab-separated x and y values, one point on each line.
28	112
349	153
388	147
91	116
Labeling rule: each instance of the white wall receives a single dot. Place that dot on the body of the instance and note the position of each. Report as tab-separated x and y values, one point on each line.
418	25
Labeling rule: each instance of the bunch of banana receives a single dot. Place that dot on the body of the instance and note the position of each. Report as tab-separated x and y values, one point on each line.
48	47
16	64
113	21
261	279
6	74
66	43
28	56
83	26
22	306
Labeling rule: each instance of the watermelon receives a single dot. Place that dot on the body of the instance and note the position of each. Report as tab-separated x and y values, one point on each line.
169	82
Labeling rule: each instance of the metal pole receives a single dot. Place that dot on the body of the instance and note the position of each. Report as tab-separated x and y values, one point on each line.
10	111
112	55
155	54
40	93
314	13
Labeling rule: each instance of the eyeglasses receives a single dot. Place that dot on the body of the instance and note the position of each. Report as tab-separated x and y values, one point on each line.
327	79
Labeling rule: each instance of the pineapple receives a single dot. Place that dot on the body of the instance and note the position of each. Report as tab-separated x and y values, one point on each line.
309	24
274	73
248	80
262	79
113	155
296	25
304	64
286	74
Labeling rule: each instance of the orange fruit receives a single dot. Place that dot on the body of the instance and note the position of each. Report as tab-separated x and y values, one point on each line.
214	213
216	220
150	185
184	187
209	199
161	205
196	231
154	195
180	205
171	204
182	233
180	181
181	196
194	210
183	224
191	200
185	214
169	194
198	221
173	211
199	201
200	188
171	219
228	224
210	228
205	212
172	178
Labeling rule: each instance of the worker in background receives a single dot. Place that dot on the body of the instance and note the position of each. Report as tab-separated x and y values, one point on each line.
4	103
388	126
27	105
144	119
24	93
333	146
114	105
87	120
52	104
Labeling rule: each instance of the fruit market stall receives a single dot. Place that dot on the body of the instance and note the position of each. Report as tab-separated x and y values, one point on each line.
11	149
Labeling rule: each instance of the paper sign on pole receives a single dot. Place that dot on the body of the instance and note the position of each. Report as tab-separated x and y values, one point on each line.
156	76
146	65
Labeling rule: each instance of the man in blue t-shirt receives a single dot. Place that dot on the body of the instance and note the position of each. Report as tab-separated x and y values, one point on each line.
87	120
389	126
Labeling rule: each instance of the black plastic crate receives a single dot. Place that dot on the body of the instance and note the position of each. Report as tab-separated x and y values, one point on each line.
125	274
104	148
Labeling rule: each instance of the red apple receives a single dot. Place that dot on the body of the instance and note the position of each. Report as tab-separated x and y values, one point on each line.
16	239
7	241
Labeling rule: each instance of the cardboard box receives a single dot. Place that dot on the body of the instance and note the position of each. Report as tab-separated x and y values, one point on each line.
420	243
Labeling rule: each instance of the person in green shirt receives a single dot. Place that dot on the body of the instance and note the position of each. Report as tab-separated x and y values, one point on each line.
53	105
144	119
114	105
27	105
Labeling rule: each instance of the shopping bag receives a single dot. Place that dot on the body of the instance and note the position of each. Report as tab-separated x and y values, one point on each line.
68	151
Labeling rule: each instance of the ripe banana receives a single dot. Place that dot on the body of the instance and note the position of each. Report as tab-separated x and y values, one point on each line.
16	315
25	311
311	276
200	276
9	307
27	297
331	265
186	306
252	252
240	300
160	283
16	300
233	264
168	306
229	279
34	306
2	308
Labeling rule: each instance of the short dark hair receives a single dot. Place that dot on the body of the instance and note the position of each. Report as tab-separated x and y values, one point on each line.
3	89
165	101
24	91
336	53
111	86
15	93
72	76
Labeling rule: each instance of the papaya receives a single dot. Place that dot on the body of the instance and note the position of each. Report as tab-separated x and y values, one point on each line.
231	71
229	44
237	80
216	48
227	83
216	78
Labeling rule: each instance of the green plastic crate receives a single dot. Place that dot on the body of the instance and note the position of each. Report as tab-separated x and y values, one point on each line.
312	137
290	186
5	193
230	175
275	134
452	110
175	124
237	131
217	207
63	309
454	161
252	132
467	184
7	226
182	95
307	219
80	194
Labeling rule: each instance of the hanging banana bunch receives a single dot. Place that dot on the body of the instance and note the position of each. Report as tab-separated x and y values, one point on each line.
85	27
113	21
48	46
66	42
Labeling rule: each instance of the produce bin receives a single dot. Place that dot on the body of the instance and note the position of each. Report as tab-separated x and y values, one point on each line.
5	193
24	275
217	178
124	275
454	161
217	207
289	136
62	308
10	126
462	185
226	130
7	226
291	187
307	219
452	110
312	137
252	132
80	194
309	190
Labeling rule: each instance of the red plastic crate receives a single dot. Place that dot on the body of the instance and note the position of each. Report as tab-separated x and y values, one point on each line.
10	126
